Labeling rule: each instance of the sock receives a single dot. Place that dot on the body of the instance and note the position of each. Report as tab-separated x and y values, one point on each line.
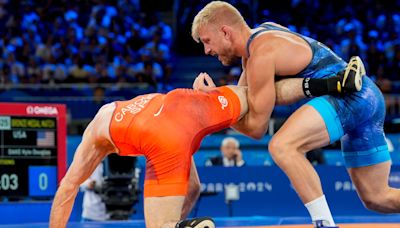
319	210
315	87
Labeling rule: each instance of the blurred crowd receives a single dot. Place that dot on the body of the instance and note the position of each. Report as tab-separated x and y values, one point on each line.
94	41
108	41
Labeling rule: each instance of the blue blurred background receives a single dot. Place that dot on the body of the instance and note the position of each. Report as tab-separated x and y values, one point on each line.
85	53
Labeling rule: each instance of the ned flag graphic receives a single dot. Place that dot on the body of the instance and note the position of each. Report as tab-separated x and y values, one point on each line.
45	138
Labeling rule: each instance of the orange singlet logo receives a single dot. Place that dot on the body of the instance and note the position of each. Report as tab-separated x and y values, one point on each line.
133	108
223	101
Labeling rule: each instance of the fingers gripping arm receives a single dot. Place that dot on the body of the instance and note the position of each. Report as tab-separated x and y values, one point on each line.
200	83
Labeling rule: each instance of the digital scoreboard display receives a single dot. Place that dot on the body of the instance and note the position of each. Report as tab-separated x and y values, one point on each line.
32	149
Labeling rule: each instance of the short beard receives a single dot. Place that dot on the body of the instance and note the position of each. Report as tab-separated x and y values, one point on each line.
231	61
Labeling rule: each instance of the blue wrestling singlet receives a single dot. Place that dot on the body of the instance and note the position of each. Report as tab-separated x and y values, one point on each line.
356	119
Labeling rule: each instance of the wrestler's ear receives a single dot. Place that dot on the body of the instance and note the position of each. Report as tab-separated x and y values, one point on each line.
227	31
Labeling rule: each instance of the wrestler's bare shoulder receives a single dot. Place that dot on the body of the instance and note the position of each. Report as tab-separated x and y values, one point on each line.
274	40
101	122
276	24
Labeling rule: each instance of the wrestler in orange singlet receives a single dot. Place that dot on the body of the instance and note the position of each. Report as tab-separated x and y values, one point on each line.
165	128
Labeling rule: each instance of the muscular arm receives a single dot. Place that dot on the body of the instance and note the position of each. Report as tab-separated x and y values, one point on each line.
89	154
288	91
291	56
193	192
260	73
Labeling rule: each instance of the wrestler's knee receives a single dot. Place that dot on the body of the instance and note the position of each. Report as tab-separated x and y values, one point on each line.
280	149
374	202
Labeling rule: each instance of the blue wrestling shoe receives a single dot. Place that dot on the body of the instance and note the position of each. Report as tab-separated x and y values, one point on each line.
202	222
319	224
351	80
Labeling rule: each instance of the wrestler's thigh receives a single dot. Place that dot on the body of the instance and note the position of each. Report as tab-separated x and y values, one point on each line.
371	180
304	130
160	210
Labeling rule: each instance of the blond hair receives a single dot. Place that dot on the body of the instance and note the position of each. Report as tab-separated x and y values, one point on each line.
216	12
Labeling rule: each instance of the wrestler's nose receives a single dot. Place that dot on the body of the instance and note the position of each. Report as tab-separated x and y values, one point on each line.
207	50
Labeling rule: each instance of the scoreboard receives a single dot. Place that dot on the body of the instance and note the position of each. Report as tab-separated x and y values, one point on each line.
32	149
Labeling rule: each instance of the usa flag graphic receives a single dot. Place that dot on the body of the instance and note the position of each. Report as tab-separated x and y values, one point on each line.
45	138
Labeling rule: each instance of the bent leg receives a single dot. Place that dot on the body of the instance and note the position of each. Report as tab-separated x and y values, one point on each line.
372	186
167	211
305	130
163	211
312	126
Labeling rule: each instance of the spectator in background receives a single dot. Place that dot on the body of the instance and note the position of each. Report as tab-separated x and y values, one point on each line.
33	70
147	76
120	74
44	51
63	42
17	69
78	72
382	81
352	43
231	156
349	20
5	75
98	95
147	70
93	207
161	28
53	71
160	53
135	40
374	55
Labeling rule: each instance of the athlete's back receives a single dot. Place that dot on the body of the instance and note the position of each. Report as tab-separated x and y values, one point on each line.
167	130
324	62
150	123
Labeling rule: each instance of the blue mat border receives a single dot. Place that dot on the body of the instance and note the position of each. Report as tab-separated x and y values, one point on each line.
228	221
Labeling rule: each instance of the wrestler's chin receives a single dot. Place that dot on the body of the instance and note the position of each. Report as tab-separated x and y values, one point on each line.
226	62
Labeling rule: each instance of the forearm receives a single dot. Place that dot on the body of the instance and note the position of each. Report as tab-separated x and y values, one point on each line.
62	206
251	127
193	192
188	204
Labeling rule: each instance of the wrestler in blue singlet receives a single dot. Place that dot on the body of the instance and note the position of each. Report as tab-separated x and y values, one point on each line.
357	119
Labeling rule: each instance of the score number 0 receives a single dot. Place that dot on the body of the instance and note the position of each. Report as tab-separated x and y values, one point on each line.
42	180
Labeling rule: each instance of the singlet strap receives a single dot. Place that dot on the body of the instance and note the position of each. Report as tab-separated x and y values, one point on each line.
252	36
265	27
